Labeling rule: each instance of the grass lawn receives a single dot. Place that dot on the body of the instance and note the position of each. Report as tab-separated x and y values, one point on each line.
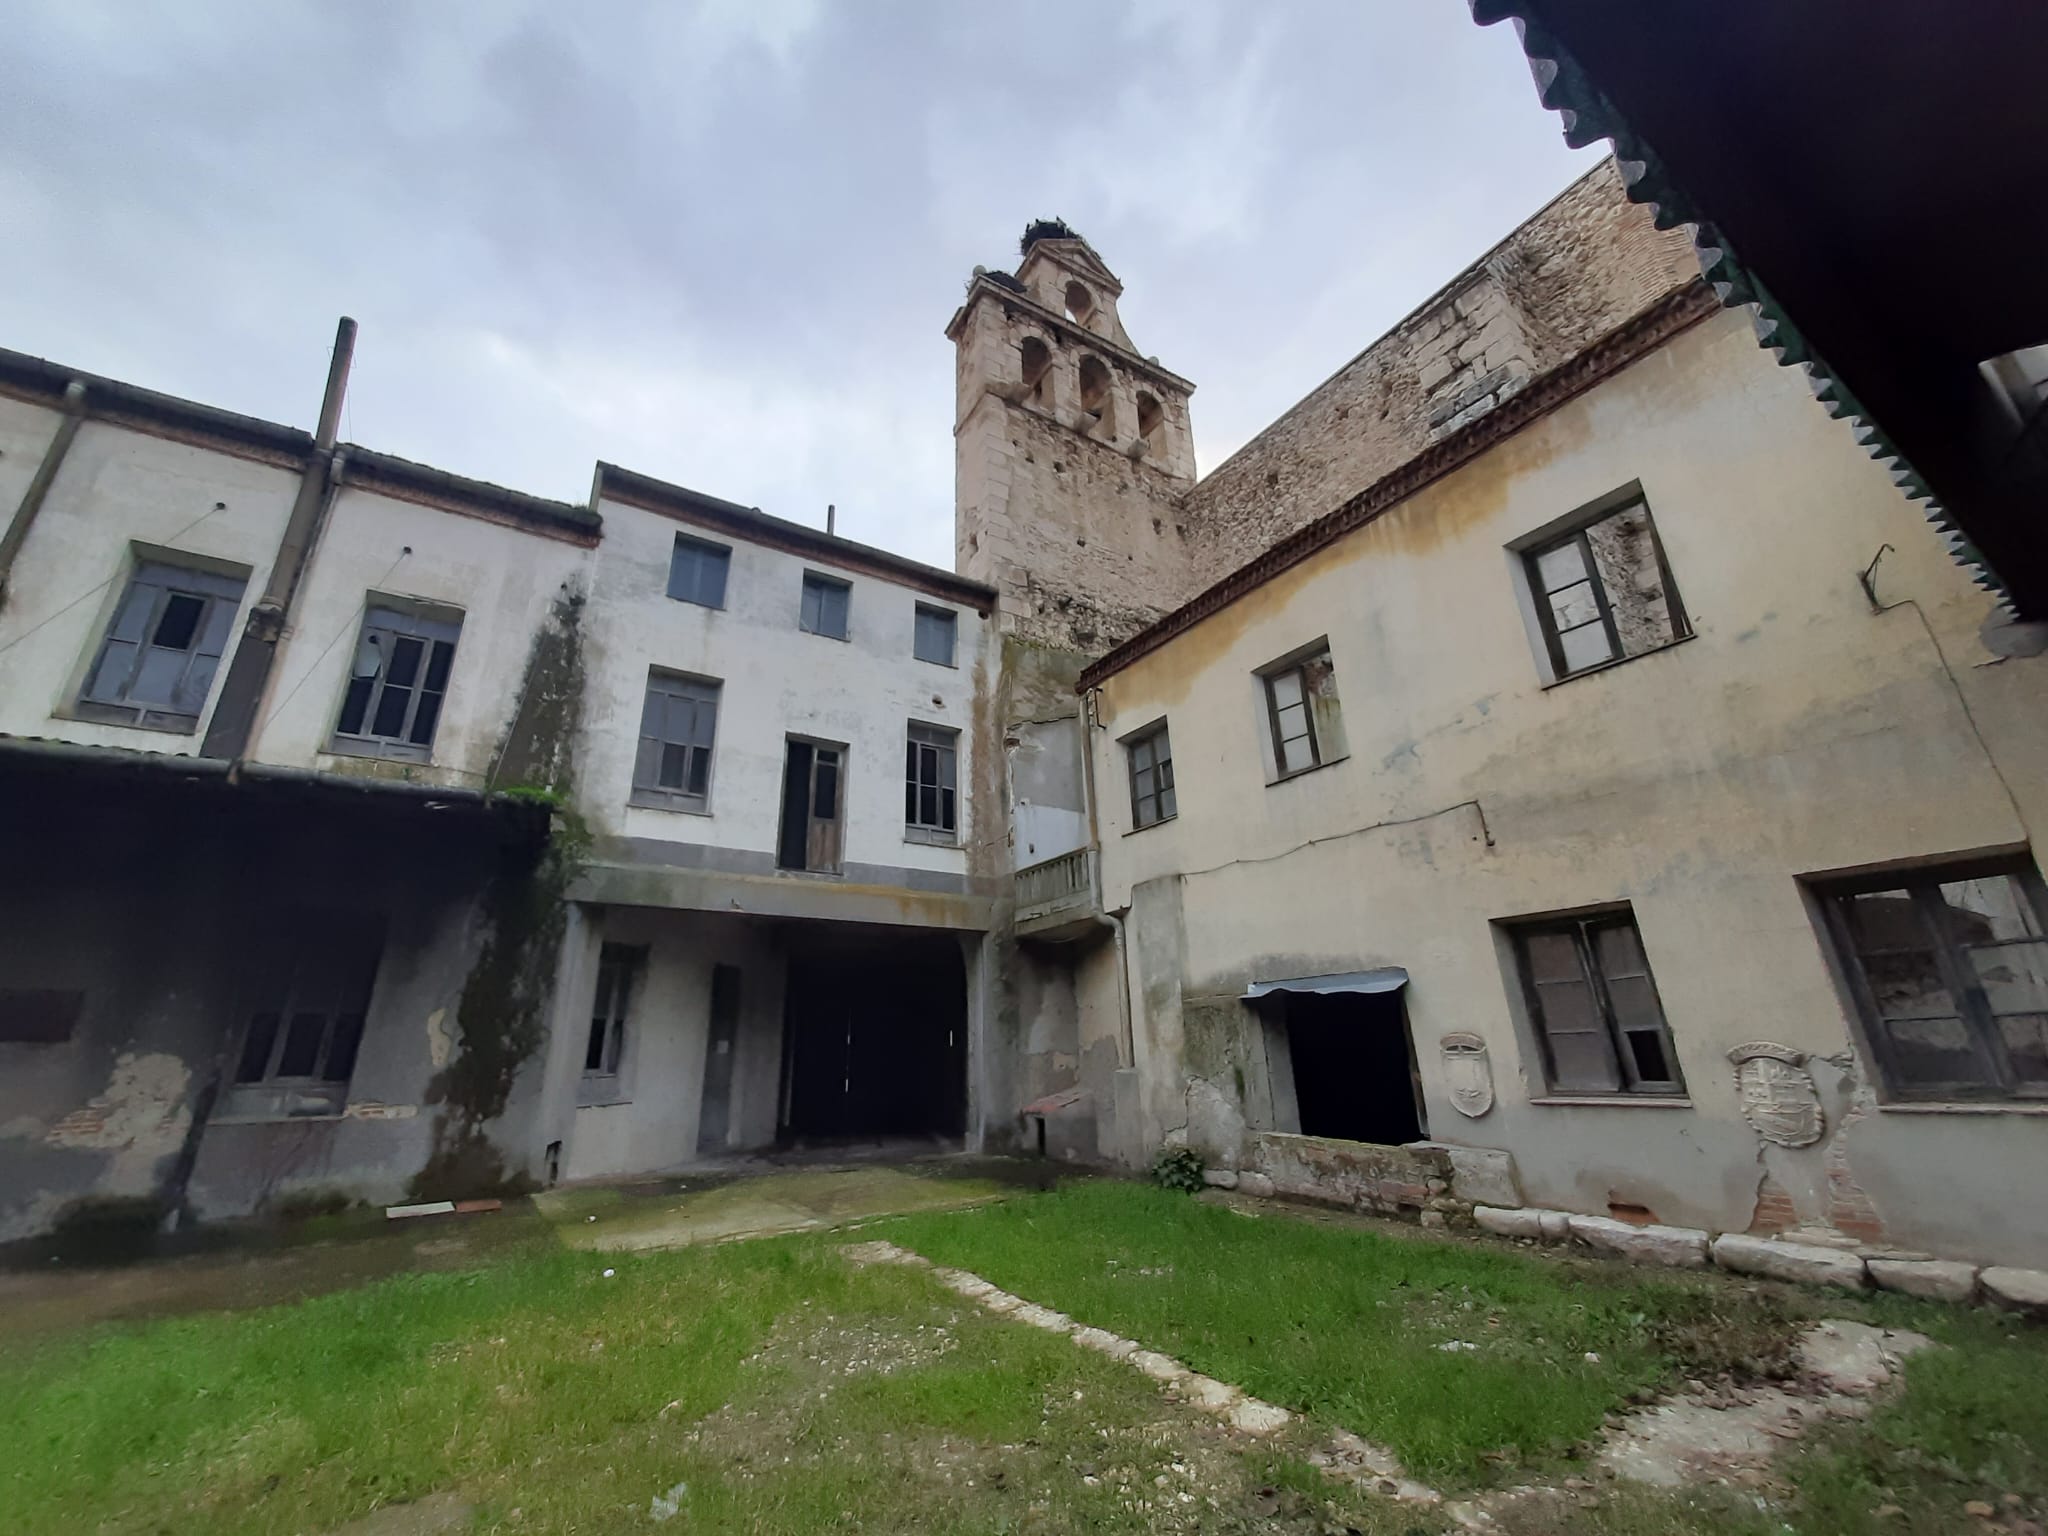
770	1386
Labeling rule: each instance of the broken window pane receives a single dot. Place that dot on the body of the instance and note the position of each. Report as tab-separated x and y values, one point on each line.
1955	973
1625	554
1595	1005
301	1055
2025	1037
256	1045
391	704
178	625
1601	593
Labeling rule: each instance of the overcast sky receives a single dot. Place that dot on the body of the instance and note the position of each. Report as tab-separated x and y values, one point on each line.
718	242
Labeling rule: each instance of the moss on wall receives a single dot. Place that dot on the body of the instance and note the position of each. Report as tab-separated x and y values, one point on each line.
501	1018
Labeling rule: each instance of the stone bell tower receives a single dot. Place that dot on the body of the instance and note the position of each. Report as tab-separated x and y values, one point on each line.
1072	453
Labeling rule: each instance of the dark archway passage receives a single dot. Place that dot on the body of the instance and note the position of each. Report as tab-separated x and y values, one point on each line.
1354	1068
875	1037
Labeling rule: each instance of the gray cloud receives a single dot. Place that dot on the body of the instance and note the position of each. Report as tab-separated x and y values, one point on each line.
719	242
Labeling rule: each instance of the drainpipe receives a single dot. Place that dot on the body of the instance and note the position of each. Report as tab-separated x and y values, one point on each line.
39	487
1127	1054
241	695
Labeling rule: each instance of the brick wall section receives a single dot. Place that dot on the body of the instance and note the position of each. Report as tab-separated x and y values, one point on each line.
1577	269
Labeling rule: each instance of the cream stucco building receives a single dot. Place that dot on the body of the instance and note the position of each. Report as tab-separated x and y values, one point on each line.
1550	766
1608	795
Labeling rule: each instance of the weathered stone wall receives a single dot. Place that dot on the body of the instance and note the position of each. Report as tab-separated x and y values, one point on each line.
1063	503
1577	269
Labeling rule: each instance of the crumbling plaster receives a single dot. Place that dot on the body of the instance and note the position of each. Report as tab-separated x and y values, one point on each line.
1572	272
1798	732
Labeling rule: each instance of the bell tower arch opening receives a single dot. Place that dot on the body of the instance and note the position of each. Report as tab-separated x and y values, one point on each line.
1072	451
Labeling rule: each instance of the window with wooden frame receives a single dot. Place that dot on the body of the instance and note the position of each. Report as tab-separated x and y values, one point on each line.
697	570
619	969
1602	589
306	999
1301	712
1594	1007
930	787
1151	762
678	726
1949	970
162	647
399	677
936	634
824	606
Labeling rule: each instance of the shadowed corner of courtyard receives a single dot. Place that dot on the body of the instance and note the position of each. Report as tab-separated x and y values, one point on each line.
606	1359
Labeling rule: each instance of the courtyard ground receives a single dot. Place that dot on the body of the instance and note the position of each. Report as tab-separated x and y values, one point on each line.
544	1371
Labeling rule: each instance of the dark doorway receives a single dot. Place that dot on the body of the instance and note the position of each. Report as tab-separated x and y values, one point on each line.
810	807
875	1037
1354	1067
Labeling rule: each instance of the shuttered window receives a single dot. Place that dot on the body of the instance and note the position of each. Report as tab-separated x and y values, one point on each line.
823	607
936	633
697	571
1595	1006
678	722
156	664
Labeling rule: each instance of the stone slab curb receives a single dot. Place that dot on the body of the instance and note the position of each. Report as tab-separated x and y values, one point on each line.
1346	1456
2021	1290
1952	1280
1678	1247
1935	1279
1789	1261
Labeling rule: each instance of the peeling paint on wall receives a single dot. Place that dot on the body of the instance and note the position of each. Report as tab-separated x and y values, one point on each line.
140	1117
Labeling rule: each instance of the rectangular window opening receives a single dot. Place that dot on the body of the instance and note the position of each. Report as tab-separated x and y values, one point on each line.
678	726
156	662
823	609
1602	590
305	1003
1302	715
1594	1006
931	792
1151	765
619	968
936	635
1949	970
391	704
697	570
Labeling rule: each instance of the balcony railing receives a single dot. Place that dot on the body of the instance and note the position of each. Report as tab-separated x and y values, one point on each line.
1056	896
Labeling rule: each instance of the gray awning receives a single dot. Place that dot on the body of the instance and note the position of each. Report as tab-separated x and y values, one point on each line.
1388	978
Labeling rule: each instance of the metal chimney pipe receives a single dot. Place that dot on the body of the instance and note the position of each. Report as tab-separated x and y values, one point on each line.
831	518
337	383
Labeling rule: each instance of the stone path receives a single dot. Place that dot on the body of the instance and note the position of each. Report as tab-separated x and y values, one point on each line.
1699	1435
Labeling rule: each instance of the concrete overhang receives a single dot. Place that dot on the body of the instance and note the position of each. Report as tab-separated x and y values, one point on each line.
701	890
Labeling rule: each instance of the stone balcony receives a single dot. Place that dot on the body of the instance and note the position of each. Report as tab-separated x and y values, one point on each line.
1056	900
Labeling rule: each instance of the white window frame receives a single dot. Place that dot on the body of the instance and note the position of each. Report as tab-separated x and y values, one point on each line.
943	742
